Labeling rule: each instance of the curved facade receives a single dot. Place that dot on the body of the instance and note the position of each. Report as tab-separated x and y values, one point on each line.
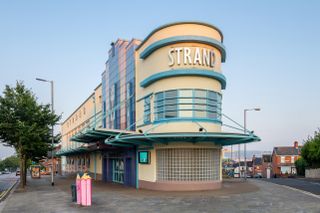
160	119
179	83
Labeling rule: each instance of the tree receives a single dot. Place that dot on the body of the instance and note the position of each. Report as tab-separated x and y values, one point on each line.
25	125
311	150
301	165
11	163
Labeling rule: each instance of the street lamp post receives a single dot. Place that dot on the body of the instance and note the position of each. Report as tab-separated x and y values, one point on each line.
245	131
52	139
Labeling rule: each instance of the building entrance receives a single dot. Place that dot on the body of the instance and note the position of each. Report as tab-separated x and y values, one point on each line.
118	170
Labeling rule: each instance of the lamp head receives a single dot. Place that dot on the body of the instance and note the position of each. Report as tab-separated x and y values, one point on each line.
40	79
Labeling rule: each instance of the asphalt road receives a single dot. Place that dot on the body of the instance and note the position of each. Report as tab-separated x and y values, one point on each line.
235	196
7	180
311	186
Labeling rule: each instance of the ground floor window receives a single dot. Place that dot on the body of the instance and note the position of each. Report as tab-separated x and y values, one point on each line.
188	164
118	171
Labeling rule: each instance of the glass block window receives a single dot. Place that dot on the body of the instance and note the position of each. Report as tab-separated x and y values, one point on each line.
187	103
188	164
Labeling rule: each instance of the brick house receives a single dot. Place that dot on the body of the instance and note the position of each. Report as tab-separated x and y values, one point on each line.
256	165
266	164
283	159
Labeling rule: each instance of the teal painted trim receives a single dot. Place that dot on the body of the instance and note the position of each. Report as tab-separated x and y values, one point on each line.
137	170
179	23
185	72
182	39
140	99
168	120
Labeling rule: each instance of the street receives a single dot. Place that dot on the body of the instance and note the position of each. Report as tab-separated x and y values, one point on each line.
236	196
7	180
302	184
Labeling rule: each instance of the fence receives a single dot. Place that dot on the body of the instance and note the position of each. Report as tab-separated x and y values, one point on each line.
313	173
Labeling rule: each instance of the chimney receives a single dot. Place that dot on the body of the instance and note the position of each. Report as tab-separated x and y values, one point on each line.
295	144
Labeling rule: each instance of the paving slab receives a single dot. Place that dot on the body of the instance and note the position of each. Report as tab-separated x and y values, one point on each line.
235	196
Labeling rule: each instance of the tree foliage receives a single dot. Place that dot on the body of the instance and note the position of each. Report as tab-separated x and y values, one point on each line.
25	124
311	150
301	165
11	163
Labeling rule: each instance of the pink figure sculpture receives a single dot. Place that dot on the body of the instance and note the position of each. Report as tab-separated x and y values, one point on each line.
83	190
78	185
89	190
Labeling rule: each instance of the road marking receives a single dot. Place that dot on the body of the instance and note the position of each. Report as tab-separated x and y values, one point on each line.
315	183
299	190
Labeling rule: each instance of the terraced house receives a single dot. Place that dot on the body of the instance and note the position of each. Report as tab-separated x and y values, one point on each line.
159	122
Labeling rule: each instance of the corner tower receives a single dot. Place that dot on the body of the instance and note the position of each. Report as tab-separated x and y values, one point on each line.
178	86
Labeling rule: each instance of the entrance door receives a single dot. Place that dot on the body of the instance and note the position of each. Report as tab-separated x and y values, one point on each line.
118	170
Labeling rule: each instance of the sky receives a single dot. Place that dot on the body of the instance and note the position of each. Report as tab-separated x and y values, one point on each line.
273	50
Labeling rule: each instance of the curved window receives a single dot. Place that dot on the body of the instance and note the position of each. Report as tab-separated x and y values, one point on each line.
187	103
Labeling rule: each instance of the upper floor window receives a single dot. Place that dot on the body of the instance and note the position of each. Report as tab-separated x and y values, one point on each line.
188	103
146	116
283	159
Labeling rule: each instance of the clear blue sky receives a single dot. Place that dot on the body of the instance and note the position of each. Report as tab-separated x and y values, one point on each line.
273	52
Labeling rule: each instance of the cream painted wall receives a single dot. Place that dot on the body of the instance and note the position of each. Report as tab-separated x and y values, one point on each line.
149	172
181	127
182	30
158	61
80	118
98	162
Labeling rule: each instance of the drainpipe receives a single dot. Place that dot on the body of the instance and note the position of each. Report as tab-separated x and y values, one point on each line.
94	111
95	165
137	169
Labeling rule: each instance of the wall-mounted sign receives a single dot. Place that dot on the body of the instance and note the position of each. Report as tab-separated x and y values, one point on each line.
144	157
191	56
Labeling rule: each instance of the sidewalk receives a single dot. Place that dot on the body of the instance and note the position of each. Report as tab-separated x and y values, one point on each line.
236	196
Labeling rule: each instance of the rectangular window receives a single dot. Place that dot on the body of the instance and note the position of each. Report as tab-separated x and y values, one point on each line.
185	100
185	113
283	159
188	103
185	93
147	110
292	159
172	114
200	114
200	93
171	94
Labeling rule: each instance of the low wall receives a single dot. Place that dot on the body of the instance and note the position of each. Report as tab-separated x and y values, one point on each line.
313	173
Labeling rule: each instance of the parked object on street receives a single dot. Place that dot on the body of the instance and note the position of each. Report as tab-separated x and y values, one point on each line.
258	175
74	192
17	172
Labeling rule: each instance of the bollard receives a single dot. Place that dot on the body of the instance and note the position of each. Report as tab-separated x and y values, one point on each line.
83	190
78	185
